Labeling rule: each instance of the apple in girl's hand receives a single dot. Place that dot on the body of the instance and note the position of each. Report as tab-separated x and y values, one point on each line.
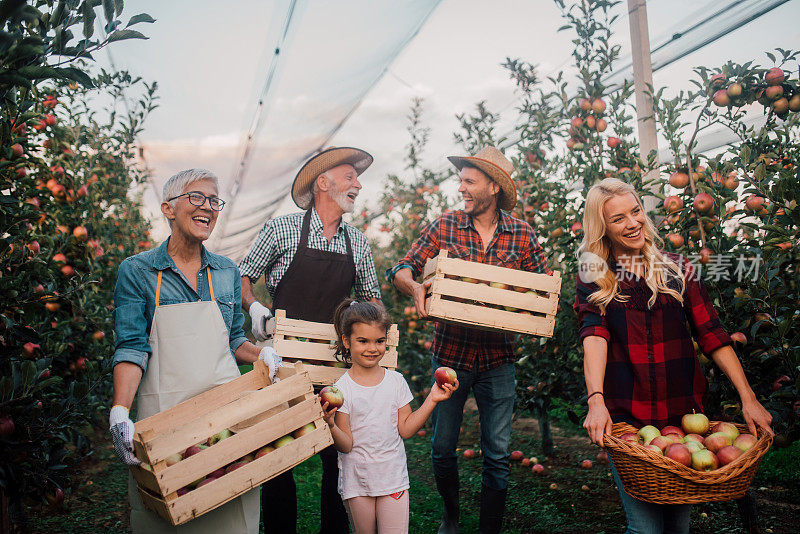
726	428
717	441
694	423
445	375
745	441
333	396
728	454
672	430
648	433
704	460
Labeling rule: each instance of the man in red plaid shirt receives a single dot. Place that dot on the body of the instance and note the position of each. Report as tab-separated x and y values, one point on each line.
484	361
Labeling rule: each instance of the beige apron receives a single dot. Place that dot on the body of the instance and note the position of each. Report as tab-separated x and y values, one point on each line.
190	355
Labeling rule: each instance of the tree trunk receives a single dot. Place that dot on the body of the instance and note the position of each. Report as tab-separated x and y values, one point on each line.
542	409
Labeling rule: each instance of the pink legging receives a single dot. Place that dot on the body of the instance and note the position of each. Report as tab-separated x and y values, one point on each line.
387	514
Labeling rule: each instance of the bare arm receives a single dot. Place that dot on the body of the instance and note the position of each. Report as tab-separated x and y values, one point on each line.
752	410
248	297
126	377
339	424
408	422
598	420
247	353
404	281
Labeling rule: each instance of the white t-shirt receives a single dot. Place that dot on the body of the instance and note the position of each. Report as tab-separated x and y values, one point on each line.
376	465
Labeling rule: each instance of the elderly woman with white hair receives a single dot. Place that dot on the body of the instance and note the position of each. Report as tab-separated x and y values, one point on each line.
178	324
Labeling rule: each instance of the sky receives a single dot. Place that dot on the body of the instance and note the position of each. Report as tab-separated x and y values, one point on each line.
211	61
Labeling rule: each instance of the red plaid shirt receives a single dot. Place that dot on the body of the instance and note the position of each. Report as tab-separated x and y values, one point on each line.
514	245
653	376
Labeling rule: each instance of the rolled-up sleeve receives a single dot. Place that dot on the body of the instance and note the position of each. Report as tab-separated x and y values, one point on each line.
706	326
591	322
263	253
423	249
236	336
130	318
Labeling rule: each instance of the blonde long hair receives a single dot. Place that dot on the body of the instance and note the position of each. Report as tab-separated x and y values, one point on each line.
595	250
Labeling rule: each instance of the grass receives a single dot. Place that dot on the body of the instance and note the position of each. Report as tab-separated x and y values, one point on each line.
99	502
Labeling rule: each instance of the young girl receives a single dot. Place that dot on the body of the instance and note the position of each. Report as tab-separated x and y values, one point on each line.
368	430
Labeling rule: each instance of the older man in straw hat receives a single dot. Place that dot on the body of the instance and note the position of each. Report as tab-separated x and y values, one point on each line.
311	261
484	361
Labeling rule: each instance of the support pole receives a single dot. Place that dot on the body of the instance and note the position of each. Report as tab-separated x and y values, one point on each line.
642	81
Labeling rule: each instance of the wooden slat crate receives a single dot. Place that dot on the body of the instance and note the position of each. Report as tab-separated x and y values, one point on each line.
529	304
256	411
312	343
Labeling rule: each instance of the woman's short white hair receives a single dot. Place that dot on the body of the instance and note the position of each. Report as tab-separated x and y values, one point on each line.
178	182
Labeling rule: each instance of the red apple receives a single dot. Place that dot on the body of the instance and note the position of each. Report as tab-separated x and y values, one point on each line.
421	433
673	203
745	442
6	426
694	437
264	450
598	106
525	462
307	429
445	375
613	142
631	437
672	430
601	125
704	460
654	448
676	240
662	442
469	454
794	103
602	457
585	104
774	76
679	179
517	455
537	469
728	454
773	92
576	122
80	233
679	453
182	491
216	473
332	395
191	451
694	423
721	98
781	106
586	464
703	203
728	429
717	441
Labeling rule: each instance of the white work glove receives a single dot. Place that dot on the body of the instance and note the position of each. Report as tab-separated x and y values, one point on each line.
122	430
258	317
273	361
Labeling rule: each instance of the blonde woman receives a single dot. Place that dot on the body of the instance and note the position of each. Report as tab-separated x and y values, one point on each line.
639	308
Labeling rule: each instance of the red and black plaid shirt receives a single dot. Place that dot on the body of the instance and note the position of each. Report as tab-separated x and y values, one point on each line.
514	245
652	373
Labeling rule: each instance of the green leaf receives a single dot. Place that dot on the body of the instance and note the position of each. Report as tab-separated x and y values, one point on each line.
76	75
88	19
119	5
120	35
108	10
28	373
141	17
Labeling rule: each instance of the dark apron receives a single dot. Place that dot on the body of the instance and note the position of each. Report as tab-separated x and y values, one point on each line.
315	283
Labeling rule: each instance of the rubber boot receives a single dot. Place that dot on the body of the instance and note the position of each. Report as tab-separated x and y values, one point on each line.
493	505
448	489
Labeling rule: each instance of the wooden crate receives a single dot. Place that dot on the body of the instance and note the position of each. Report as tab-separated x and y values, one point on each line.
256	411
312	343
477	305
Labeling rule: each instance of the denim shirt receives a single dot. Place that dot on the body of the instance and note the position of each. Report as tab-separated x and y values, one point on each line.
135	293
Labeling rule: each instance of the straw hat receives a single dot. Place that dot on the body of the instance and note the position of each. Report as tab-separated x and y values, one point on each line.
495	165
322	162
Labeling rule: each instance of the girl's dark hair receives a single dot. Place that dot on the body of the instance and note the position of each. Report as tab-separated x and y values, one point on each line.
350	312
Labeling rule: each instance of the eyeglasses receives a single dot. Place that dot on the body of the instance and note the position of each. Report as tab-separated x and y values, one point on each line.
197	198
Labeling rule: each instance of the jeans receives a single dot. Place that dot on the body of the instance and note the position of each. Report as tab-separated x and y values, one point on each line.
494	392
648	518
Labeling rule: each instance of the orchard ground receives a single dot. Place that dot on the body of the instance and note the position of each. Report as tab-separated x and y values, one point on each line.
99	503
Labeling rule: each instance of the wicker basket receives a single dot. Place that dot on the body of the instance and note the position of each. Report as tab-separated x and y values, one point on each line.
661	480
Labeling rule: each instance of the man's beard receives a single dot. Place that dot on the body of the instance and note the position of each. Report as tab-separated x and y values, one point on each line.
341	198
481	204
